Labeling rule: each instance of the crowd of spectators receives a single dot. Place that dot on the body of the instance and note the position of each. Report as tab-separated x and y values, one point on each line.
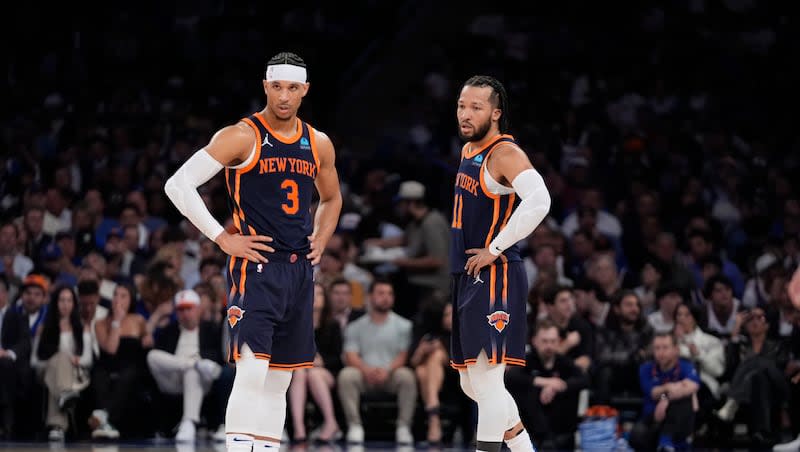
660	274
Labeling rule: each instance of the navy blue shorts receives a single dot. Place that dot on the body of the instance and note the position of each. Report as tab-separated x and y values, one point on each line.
270	308
490	316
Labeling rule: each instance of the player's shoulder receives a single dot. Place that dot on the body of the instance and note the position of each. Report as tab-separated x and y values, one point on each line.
239	132
319	136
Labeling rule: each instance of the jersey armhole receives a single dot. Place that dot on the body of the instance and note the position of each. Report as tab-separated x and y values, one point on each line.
312	136
249	163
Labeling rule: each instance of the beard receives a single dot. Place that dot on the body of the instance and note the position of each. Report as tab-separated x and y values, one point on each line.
479	132
381	308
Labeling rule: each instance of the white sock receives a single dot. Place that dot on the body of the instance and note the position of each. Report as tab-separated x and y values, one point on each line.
521	443
263	444
238	442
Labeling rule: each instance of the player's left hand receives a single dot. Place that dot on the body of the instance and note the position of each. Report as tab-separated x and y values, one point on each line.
316	250
481	257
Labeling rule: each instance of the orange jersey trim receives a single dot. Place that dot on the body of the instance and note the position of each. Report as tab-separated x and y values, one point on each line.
285	367
281	138
257	154
312	135
492	143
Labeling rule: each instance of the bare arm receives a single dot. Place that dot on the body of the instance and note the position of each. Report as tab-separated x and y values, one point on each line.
330	198
353	359
398	361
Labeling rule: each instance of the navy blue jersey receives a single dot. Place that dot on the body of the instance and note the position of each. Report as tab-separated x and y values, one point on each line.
478	215
273	194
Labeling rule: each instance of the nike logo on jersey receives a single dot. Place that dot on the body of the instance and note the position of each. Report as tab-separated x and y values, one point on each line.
266	141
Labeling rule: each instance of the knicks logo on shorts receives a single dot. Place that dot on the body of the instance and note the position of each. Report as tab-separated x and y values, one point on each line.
499	320
235	313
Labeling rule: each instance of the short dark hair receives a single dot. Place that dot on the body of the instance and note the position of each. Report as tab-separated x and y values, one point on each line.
4	280
88	287
549	294
287	58
590	285
543	324
716	279
668	334
210	261
338	282
378	281
499	97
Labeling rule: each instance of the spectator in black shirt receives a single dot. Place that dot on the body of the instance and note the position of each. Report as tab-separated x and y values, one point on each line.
620	348
547	388
576	333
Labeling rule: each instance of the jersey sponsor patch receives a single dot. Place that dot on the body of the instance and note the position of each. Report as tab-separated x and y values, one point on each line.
499	320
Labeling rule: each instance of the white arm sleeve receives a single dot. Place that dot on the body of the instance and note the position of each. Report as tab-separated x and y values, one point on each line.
181	189
535	204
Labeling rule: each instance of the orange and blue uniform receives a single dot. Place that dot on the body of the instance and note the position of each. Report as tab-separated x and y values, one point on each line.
270	306
489	313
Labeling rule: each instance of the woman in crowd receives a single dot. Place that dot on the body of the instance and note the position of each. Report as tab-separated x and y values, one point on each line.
62	353
320	379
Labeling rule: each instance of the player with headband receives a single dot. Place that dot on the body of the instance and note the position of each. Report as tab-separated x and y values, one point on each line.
272	161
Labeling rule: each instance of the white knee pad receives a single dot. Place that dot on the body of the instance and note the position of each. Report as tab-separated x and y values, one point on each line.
272	413
246	394
488	386
466	384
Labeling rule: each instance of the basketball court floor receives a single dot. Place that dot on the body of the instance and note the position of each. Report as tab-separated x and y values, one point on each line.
169	446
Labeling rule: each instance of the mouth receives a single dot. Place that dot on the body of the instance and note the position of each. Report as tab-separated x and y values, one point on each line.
465	128
283	108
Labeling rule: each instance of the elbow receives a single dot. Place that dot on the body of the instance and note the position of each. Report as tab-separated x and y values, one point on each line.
171	188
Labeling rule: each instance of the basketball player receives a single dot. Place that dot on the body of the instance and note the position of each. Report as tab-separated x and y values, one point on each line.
499	200
272	161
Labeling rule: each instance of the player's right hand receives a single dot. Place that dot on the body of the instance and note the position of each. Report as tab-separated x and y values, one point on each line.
245	246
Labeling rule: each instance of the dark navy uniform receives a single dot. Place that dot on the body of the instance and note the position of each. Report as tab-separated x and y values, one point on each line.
489	313
270	306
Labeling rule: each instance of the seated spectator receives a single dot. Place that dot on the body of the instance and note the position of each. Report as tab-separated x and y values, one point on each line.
545	258
701	245
652	275
320	379
431	361
669	385
19	325
792	373
123	339
603	271
62	355
186	360
757	365
781	315
620	348
668	297
722	307
576	333
705	351
591	301
546	390
375	352
340	292
756	292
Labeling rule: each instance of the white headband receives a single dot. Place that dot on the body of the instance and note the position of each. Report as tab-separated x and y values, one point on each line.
286	72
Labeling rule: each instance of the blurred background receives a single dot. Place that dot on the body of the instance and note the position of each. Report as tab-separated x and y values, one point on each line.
663	131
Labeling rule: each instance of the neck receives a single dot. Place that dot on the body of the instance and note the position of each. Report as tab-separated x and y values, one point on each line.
723	313
668	365
420	214
490	136
285	127
757	339
562	323
548	361
378	317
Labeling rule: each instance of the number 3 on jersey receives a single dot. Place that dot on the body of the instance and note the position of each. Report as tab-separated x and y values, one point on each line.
293	201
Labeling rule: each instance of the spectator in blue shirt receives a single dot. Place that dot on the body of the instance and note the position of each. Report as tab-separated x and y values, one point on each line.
669	385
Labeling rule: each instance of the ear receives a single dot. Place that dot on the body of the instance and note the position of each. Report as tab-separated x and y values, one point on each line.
306	86
496	114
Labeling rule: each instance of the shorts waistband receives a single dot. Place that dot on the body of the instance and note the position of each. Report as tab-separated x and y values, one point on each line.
287	257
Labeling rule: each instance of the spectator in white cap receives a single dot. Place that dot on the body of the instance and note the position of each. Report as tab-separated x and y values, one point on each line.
756	292
186	360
